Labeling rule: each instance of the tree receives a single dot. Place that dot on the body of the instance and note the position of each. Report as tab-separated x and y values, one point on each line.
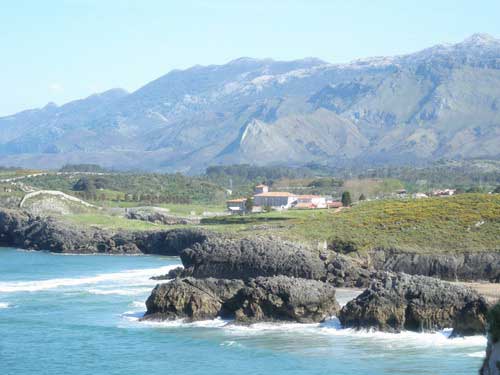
362	197
497	190
249	204
346	199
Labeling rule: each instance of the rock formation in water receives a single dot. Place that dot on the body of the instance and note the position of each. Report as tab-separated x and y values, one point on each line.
398	302
249	258
260	299
491	364
284	298
194	299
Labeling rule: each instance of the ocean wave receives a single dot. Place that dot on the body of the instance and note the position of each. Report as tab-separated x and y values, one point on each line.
229	343
477	354
119	292
135	277
183	323
4	305
138	304
332	327
133	316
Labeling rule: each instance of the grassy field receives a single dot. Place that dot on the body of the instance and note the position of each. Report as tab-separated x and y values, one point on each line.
112	222
175	209
468	222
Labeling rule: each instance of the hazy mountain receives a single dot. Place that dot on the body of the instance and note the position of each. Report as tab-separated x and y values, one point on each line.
443	101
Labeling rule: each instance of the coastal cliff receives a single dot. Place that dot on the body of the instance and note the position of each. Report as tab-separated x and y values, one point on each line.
491	364
25	231
455	266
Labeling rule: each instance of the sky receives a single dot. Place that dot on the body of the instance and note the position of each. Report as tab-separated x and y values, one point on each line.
62	50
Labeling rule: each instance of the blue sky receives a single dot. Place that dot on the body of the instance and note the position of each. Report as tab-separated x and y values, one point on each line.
68	49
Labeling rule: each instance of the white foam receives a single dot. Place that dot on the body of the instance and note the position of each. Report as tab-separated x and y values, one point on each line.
477	354
230	343
120	292
141	304
133	316
332	327
135	277
4	305
177	323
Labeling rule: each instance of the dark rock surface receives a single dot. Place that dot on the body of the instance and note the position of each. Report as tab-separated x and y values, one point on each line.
25	231
284	298
491	363
249	258
260	299
172	274
459	266
347	272
193	299
159	215
398	302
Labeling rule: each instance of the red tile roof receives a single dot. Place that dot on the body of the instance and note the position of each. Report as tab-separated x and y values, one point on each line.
239	200
276	194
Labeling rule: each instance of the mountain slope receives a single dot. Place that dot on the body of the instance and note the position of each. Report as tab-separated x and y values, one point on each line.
443	101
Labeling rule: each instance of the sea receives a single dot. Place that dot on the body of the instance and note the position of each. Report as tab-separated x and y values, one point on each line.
79	314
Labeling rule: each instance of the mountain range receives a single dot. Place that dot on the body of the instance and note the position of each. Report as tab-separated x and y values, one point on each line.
441	102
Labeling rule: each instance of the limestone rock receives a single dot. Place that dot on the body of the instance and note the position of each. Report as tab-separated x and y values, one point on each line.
398	302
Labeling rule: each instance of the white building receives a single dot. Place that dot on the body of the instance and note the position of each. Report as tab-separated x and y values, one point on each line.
310	201
275	199
259	189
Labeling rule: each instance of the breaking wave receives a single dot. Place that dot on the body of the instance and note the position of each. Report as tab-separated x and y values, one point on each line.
131	277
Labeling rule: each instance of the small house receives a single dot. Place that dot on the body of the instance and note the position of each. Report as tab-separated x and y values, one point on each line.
237	206
313	201
334	204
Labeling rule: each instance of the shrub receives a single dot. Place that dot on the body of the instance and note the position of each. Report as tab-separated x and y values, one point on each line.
340	245
346	199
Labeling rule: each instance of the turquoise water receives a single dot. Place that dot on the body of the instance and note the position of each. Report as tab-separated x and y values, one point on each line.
78	315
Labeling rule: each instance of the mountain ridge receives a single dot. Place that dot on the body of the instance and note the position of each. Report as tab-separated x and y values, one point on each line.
443	101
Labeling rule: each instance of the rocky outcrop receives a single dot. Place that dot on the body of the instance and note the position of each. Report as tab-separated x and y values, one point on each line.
192	299
172	274
459	266
491	364
249	258
25	231
347	272
284	298
398	302
159	215
260	299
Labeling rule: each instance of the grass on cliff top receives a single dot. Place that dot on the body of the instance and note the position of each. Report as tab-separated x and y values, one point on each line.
112	222
468	222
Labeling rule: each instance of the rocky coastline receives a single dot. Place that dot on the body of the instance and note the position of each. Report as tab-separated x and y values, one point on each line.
491	364
281	289
278	298
26	231
267	279
397	302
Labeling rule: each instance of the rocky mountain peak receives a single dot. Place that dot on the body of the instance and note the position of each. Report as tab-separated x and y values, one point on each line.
480	39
